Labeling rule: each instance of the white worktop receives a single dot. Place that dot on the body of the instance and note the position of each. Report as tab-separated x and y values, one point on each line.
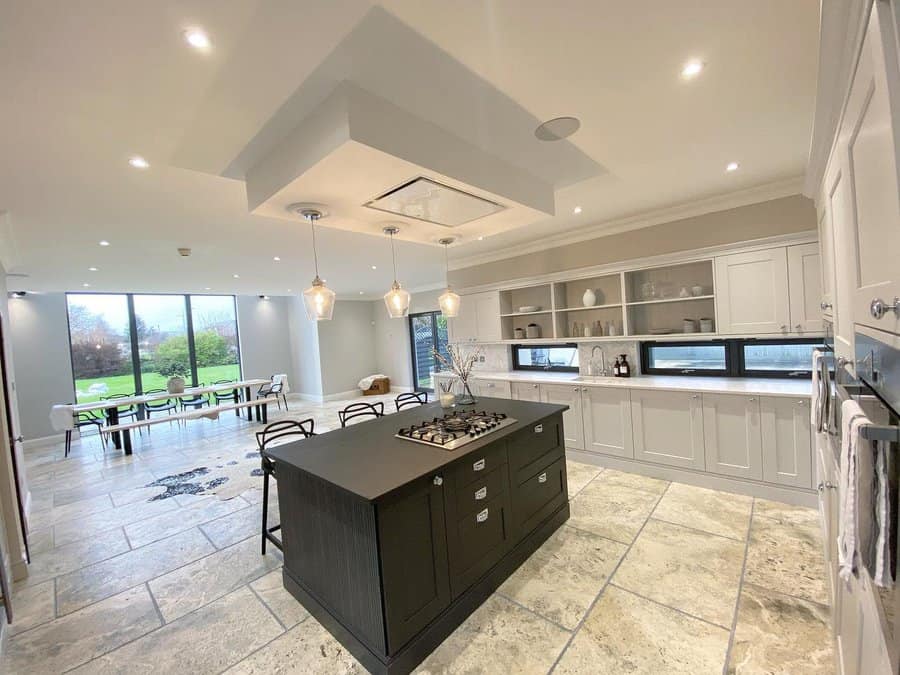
719	385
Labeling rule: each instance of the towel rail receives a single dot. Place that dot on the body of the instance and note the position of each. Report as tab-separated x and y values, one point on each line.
875	432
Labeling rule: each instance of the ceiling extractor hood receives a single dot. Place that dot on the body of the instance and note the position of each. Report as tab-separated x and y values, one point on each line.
426	199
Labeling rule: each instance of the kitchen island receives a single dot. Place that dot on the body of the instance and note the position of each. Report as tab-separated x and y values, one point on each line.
391	543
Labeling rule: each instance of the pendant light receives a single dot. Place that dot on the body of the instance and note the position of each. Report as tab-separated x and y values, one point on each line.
449	301
318	298
396	299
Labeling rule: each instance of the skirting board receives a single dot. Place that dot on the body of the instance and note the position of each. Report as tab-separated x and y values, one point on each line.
341	395
44	441
796	496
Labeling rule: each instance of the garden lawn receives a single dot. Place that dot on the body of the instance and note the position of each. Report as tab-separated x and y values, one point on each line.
124	384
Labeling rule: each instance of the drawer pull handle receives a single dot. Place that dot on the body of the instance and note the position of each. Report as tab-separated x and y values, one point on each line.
479	465
539	429
542	478
482	516
480	493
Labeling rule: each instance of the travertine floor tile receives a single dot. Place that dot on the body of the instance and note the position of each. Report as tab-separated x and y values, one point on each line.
206	641
561	579
91	525
780	634
32	606
270	588
611	510
199	583
55	561
685	569
633	480
172	522
499	637
785	513
77	638
787	557
579	475
628	634
239	525
712	511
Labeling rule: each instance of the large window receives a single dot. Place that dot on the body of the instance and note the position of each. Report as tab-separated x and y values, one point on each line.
731	358
427	332
193	336
546	357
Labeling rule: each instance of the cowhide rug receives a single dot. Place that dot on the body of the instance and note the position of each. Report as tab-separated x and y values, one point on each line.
226	478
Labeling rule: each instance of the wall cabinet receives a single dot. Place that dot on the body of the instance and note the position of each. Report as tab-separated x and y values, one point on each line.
786	442
478	319
573	426
607	420
805	284
525	391
732	437
752	292
668	427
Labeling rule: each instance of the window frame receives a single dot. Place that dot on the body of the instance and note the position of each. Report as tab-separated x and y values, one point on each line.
734	358
434	314
647	345
549	369
133	337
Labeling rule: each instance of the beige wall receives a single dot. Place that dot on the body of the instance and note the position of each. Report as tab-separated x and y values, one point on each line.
746	223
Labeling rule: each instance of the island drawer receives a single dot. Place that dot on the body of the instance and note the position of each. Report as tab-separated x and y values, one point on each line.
530	443
475	495
538	496
476	465
477	542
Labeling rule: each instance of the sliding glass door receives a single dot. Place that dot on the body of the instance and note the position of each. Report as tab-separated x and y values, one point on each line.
427	332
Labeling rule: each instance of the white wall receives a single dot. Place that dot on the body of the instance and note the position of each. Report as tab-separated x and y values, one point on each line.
347	346
263	326
43	364
304	340
392	349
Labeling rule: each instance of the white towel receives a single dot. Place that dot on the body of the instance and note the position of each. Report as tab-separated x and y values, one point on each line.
366	382
62	417
814	417
864	498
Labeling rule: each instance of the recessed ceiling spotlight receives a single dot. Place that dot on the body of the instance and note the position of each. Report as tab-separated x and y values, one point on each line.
236	276
692	69
92	269
139	162
103	242
481	238
276	259
197	38
86	285
732	166
557	129
289	290
207	288
362	292
576	210
374	267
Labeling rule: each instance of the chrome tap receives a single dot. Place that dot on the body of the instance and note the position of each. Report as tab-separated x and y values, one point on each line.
592	363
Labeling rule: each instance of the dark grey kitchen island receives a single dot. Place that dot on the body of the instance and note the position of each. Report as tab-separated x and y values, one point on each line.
392	543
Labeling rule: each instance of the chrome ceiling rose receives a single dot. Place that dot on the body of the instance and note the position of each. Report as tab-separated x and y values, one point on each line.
305	209
557	129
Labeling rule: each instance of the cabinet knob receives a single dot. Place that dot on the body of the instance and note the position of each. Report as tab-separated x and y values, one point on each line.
830	486
799	327
784	327
534	386
751	400
879	308
801	402
820	487
438	480
824	305
695	396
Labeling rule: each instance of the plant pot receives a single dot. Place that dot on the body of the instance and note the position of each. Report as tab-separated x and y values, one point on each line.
175	385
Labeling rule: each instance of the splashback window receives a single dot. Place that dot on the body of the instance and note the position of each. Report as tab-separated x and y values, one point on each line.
561	357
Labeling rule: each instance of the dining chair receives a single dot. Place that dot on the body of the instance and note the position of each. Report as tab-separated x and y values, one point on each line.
282	431
162	405
411	398
84	419
278	387
197	401
360	409
225	395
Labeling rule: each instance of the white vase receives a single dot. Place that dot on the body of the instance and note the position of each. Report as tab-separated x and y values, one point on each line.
589	298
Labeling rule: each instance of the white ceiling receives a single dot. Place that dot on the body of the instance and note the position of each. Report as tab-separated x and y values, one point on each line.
87	87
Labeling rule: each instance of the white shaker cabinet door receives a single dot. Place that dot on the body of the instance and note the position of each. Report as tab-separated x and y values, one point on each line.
526	391
786	441
870	136
732	435
668	427
826	246
607	421
487	316
805	281
752	292
839	210
462	327
570	395
493	388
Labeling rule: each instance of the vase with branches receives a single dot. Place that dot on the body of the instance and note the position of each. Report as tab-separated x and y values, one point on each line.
459	363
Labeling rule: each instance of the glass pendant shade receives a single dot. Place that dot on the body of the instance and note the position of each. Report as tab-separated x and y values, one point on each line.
319	301
449	303
397	301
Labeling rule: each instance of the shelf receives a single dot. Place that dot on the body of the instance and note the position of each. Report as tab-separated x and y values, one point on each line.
542	311
662	301
586	309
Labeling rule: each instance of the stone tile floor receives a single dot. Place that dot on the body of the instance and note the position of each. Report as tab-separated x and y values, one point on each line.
646	577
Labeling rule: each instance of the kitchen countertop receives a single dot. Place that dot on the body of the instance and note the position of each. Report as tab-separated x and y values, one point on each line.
369	461
718	385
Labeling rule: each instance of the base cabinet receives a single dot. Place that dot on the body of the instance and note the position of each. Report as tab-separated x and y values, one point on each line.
525	391
732	435
668	427
607	421
786	441
573	426
493	388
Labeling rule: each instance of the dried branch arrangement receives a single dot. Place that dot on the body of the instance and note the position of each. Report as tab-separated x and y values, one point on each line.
459	363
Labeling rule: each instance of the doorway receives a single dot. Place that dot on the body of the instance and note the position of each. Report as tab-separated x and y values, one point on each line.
427	332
